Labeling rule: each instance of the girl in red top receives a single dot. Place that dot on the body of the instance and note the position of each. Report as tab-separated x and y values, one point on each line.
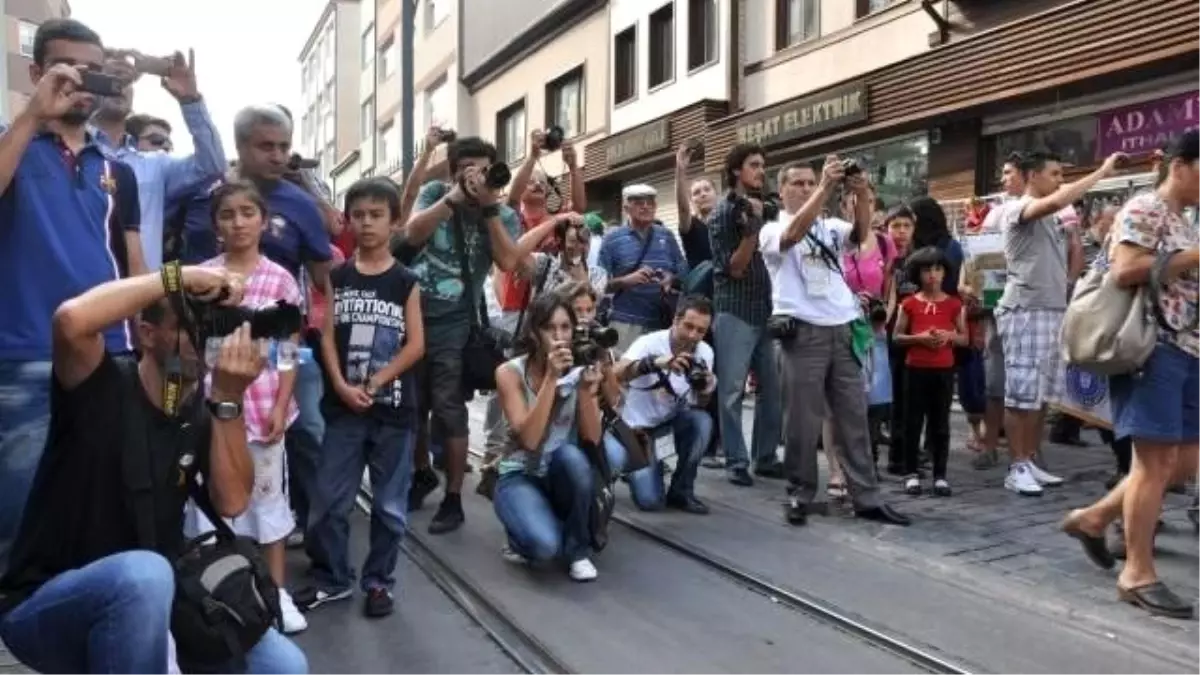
930	323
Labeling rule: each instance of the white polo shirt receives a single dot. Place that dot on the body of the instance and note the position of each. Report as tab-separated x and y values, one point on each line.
803	285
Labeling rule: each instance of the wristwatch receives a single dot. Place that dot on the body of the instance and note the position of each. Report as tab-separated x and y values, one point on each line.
225	411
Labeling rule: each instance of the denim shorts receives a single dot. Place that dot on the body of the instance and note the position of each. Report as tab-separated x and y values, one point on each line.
1160	404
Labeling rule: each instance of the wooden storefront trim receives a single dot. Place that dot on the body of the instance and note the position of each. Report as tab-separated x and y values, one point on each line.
682	125
1080	41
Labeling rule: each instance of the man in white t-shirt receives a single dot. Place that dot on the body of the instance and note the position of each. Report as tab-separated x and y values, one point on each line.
813	308
669	378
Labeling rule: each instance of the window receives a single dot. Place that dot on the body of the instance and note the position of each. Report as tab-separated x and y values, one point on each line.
564	103
437	104
702	33
1073	139
367	123
26	32
799	21
662	45
368	46
625	82
330	160
510	132
387	60
865	7
388	149
437	11
330	130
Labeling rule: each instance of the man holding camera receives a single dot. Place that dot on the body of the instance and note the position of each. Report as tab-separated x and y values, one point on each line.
69	219
669	378
742	300
461	229
86	592
644	263
814	318
162	179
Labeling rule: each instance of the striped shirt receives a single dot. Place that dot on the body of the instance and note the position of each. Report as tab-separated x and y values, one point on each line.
747	298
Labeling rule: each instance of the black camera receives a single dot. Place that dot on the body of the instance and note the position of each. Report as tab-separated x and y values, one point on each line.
743	214
279	321
876	310
553	139
589	342
851	167
697	375
447	135
497	176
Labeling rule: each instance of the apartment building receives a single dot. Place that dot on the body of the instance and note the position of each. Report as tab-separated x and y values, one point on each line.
329	118
21	21
673	71
533	64
438	95
933	93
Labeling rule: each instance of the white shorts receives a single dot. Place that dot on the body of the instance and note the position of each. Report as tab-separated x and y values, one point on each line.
269	515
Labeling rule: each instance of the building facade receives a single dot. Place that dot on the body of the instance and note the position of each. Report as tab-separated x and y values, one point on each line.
673	71
330	68
21	21
932	95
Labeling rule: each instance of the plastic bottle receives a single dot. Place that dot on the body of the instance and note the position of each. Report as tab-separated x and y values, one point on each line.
282	356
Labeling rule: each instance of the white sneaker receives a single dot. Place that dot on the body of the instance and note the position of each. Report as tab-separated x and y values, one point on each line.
1043	477
511	556
293	620
1020	480
583	570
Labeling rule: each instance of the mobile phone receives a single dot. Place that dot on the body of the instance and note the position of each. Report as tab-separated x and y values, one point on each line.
101	84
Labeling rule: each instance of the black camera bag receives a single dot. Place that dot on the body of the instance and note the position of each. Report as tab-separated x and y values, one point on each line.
486	345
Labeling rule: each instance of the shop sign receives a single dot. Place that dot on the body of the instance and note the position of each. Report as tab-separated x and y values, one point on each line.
807	116
638	142
1145	127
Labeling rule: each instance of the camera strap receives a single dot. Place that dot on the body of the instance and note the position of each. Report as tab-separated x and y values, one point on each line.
172	279
641	257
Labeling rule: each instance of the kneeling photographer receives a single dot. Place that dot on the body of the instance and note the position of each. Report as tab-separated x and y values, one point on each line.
546	485
670	379
92	582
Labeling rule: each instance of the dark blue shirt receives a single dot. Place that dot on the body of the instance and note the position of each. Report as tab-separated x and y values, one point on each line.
295	231
619	252
62	225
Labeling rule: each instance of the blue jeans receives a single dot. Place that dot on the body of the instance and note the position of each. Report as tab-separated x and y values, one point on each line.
304	440
739	347
546	517
352	443
692	428
24	426
113	616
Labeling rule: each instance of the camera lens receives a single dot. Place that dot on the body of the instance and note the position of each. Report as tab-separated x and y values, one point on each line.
497	176
553	138
448	135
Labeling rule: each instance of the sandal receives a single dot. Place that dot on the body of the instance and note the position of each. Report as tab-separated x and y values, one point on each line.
1095	547
836	490
1157	599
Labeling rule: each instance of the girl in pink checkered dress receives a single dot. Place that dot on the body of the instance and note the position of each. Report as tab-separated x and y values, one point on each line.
239	215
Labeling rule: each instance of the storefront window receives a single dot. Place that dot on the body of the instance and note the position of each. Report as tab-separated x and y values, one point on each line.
1074	140
899	169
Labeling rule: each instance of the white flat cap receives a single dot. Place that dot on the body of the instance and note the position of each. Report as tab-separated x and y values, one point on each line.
639	191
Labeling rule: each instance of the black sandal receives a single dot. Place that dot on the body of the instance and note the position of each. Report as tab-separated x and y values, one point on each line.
1157	599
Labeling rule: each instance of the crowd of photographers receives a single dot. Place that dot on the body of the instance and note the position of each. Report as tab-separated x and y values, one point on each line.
200	359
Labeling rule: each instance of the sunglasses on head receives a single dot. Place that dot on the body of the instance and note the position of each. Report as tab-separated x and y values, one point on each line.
157	141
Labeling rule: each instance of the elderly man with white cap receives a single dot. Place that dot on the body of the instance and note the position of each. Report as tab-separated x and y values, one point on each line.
643	260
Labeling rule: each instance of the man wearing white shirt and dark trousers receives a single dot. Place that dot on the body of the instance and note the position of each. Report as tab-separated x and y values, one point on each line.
812	317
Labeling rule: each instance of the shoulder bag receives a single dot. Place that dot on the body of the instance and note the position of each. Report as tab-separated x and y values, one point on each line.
484	351
1107	329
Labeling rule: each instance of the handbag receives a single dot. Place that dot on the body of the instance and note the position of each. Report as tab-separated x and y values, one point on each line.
484	351
1106	328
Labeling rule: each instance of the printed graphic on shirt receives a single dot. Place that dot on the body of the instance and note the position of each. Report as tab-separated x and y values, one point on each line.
377	331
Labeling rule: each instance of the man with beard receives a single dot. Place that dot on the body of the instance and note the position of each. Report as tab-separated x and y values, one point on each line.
68	222
162	179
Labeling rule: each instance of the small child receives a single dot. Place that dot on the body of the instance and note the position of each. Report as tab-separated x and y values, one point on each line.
930	323
373	339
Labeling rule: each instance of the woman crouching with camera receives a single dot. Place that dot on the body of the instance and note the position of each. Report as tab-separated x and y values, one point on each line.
239	214
543	496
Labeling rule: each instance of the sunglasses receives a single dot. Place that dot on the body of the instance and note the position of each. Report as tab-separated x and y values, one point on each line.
156	140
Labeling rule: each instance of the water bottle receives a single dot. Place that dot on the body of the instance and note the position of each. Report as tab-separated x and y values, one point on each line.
280	356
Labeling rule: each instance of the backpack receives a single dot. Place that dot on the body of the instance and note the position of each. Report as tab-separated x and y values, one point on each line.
225	598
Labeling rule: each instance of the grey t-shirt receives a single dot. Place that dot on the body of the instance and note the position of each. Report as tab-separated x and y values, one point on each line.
1036	253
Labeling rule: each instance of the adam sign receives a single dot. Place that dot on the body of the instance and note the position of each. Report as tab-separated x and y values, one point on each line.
1143	128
